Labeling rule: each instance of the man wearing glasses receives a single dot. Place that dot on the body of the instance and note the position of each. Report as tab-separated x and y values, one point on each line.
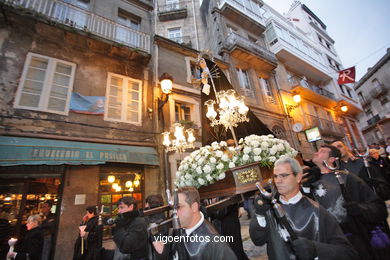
319	235
358	210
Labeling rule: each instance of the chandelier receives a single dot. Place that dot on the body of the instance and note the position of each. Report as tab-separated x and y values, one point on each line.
231	110
181	143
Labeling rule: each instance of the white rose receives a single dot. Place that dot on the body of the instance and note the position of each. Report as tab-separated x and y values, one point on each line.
257	158
255	143
208	177
201	181
264	145
188	183
206	169
220	166
273	150
185	167
235	159
223	143
232	165
198	170
188	176
272	158
225	157
257	151
201	161
247	150
213	160
221	176
219	153
245	157
241	141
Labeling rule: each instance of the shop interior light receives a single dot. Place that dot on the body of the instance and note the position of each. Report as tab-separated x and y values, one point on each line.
131	189
129	184
115	186
111	178
136	183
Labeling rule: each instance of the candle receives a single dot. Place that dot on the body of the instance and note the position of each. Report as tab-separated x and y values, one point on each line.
11	244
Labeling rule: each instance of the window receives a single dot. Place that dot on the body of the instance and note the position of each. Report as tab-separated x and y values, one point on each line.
182	112
376	83
123	99
383	99
368	112
243	78
172	4
123	33
265	85
195	70
174	34
46	84
361	98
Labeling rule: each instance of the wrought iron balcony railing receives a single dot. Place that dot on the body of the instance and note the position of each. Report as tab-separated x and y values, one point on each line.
294	81
85	20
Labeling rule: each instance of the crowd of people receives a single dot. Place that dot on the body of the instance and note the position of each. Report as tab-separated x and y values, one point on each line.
331	208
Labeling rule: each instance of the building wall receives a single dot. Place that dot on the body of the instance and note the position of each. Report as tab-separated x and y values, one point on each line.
94	60
79	180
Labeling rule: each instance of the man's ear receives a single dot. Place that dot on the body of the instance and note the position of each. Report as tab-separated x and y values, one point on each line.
195	207
299	177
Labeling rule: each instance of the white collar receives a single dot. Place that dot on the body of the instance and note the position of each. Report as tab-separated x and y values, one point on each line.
190	230
293	200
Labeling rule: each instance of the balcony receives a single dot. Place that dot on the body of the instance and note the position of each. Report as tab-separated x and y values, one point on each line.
255	54
172	11
183	40
245	13
297	55
373	120
86	21
312	92
377	91
327	128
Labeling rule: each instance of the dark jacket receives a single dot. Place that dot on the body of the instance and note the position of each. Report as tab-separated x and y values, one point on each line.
372	210
329	241
130	236
90	243
207	247
31	245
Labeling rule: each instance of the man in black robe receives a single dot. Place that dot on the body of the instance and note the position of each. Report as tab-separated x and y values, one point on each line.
200	240
318	234
357	209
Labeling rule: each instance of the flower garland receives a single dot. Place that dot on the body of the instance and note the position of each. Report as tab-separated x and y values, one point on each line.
209	163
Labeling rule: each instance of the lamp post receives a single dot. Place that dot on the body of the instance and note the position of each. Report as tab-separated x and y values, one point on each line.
231	110
181	143
290	108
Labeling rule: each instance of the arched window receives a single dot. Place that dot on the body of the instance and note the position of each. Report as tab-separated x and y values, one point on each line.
279	132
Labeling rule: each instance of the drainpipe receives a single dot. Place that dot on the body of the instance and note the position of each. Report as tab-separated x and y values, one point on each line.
293	137
196	28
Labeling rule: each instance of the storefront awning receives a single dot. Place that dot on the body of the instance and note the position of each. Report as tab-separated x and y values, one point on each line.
34	151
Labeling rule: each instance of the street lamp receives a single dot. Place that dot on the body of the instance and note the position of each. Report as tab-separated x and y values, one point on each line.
290	108
344	108
166	82
181	143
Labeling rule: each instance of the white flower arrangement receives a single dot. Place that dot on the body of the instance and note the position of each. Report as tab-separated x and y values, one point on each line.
209	163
